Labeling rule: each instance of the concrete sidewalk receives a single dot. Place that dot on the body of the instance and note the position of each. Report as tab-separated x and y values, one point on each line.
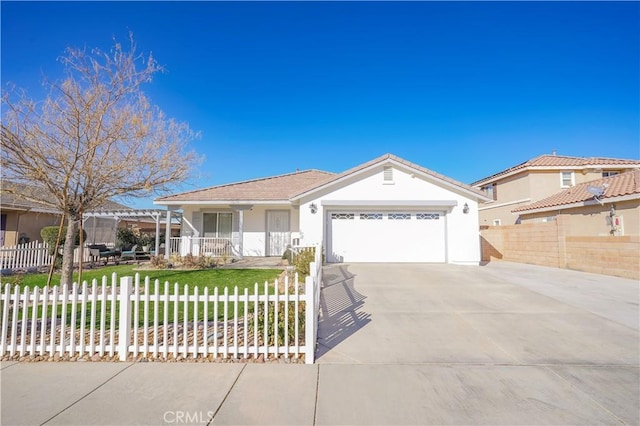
398	344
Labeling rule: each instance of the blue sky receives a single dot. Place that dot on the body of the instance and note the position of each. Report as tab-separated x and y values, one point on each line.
465	89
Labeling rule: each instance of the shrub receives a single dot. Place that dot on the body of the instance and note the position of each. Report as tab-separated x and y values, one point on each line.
158	262
50	233
189	261
302	260
288	256
281	315
175	259
205	262
125	237
146	239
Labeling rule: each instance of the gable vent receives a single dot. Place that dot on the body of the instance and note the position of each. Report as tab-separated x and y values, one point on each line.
388	174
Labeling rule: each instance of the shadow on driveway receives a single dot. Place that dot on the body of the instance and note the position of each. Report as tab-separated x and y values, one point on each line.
341	313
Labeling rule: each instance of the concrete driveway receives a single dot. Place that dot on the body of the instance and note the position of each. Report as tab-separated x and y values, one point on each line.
499	344
502	344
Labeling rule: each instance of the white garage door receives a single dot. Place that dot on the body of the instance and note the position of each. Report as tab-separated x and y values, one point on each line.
398	236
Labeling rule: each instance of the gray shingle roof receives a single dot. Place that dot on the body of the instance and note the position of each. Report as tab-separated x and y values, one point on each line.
274	188
12	200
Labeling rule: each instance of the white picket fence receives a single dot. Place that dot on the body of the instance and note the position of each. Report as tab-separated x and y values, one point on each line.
34	254
31	255
128	317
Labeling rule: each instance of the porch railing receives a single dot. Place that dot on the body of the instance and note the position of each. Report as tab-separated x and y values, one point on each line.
202	246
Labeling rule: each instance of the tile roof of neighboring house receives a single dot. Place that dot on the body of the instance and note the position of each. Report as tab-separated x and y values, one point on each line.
557	161
401	161
627	183
14	201
272	188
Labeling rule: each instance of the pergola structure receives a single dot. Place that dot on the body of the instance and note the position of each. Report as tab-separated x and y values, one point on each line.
156	215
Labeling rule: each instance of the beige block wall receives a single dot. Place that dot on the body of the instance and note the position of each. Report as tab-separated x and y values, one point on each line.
619	256
550	244
530	243
27	223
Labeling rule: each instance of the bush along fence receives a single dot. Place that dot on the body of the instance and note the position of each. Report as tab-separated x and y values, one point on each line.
128	319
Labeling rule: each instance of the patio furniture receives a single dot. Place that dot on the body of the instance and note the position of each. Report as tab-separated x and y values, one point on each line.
101	251
129	252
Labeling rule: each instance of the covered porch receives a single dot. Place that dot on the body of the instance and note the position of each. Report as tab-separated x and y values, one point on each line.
234	230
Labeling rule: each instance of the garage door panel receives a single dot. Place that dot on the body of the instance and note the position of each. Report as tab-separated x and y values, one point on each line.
386	237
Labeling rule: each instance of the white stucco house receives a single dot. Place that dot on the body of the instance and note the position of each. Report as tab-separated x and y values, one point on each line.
385	210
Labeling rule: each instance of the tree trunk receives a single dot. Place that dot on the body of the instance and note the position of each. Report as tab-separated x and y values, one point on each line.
67	253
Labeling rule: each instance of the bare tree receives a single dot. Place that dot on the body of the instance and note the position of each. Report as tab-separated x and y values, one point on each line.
94	137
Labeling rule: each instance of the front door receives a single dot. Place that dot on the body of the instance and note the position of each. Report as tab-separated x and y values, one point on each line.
278	232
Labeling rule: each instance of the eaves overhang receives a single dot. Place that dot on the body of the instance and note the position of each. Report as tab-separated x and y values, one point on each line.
586	203
221	202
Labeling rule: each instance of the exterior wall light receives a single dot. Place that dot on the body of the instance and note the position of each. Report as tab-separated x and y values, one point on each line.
465	208
313	208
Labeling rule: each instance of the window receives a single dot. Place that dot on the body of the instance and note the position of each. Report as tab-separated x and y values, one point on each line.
399	216
387	175
497	222
217	225
491	190
566	179
607	174
370	216
427	216
342	216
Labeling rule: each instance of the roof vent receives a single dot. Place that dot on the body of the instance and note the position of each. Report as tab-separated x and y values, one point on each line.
388	174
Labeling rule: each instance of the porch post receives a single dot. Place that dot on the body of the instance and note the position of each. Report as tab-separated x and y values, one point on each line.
158	234
167	236
240	227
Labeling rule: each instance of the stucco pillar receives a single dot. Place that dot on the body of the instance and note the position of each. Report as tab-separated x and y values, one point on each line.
167	236
240	230
158	234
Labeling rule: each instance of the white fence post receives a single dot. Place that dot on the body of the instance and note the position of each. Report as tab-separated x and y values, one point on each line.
310	321
124	336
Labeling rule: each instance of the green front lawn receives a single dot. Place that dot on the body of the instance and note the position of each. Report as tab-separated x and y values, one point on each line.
211	278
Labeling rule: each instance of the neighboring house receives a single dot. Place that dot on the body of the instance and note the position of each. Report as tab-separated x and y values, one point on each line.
385	210
539	178
22	220
615	212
